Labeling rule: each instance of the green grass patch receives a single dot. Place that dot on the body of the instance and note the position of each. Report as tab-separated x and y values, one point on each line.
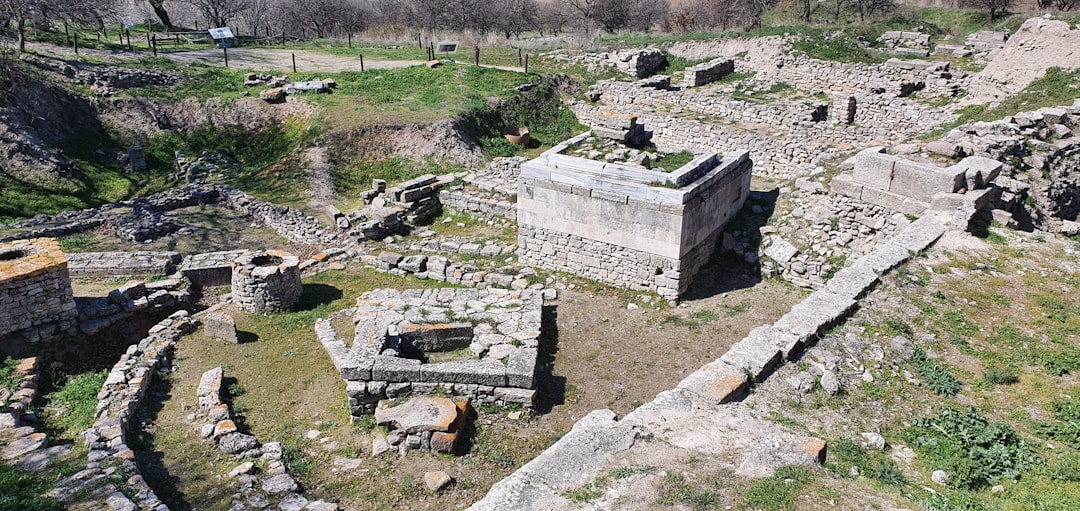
844	454
1065	427
356	177
779	491
540	109
70	408
677	489
673	161
21	490
9	379
974	451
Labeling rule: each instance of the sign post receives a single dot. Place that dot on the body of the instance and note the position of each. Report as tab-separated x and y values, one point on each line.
224	37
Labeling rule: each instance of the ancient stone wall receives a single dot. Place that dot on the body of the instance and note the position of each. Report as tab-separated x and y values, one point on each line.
119	398
708	72
122	264
266	282
488	341
614	224
36	300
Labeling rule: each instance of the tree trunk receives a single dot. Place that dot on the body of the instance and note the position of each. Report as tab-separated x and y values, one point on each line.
20	25
162	14
806	11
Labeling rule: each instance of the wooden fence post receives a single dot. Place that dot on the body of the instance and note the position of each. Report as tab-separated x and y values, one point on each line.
294	63
226	50
361	62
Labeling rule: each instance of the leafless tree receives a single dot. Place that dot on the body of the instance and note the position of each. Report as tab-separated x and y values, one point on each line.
219	13
870	8
514	17
994	6
554	17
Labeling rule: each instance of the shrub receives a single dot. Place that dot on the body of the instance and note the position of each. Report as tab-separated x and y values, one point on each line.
974	451
1066	426
937	377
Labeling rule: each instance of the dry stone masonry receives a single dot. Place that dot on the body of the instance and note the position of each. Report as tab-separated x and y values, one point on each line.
708	72
119	398
627	226
480	345
266	282
35	290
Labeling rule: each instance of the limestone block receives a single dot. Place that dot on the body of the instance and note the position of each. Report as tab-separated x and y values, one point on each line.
920	234
394	369
895	201
221	326
482	372
754	355
853	280
846	186
718	382
885	257
521	368
873	168
922	182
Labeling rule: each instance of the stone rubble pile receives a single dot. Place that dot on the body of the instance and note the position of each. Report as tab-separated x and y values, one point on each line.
906	43
134	297
109	81
638	63
708	72
422	423
1039	151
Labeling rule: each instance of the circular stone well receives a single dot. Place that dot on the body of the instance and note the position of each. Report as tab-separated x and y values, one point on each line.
265	282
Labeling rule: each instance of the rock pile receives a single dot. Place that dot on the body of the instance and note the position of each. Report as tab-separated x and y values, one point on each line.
97	314
424	423
639	63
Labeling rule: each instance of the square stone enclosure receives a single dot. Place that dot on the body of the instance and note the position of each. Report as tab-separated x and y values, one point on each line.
627	226
479	344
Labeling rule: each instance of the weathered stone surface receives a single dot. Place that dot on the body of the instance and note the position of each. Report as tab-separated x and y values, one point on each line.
23	446
221	326
277	484
419	414
293	502
236	443
437	480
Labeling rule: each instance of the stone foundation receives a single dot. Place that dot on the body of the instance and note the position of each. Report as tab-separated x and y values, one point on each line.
35	290
624	225
266	282
477	344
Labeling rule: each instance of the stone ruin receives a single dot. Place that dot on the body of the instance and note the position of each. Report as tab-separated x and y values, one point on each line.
639	63
266	282
911	188
476	344
708	72
624	225
423	423
621	128
36	300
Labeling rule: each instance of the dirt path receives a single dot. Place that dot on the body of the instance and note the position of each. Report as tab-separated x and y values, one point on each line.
258	59
317	175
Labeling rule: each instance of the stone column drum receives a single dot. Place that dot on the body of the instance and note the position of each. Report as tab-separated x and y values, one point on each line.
265	282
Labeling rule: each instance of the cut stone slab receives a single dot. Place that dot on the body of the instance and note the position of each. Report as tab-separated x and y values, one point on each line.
220	326
419	414
24	445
